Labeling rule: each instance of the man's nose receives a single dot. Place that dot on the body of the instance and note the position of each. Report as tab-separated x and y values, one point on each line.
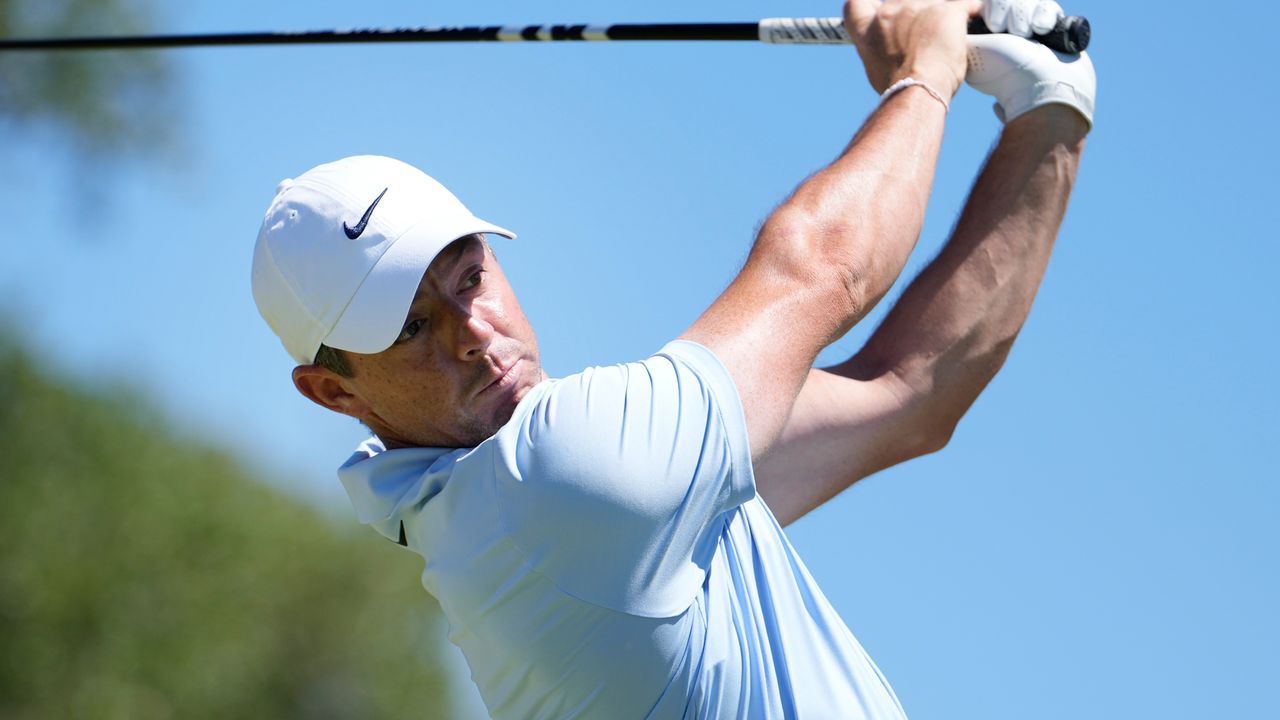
473	335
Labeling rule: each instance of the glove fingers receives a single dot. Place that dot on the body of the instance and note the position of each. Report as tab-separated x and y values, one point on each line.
1023	18
995	14
1046	17
1019	19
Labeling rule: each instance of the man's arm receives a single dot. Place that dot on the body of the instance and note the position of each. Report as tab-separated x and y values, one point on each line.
824	258
903	394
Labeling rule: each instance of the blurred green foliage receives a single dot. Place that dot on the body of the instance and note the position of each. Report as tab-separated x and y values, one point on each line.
102	104
143	575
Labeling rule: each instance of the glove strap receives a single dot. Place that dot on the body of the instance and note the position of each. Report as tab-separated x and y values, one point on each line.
905	83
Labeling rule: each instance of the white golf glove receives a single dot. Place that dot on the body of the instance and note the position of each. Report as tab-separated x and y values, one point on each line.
1023	18
1023	75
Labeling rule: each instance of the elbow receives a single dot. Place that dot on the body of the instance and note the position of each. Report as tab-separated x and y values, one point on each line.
822	257
936	439
925	438
916	442
953	393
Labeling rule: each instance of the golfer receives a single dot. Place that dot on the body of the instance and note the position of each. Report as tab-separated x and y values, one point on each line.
609	544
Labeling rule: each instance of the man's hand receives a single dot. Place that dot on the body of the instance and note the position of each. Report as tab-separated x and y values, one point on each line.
922	39
1023	75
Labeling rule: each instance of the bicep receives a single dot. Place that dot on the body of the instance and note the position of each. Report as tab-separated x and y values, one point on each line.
840	430
768	327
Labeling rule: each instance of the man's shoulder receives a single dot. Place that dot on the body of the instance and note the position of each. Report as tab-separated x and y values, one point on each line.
619	411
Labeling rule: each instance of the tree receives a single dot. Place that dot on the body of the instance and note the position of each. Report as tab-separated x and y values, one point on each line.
143	575
104	104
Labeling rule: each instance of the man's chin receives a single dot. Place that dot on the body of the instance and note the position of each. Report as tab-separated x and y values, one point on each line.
488	414
484	428
507	402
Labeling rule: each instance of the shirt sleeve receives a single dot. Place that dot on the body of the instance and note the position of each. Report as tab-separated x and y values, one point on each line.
618	484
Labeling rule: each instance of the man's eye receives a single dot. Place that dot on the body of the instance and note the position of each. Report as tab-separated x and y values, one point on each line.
474	279
411	328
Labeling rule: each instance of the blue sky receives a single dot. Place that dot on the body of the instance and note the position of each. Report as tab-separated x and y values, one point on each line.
1100	538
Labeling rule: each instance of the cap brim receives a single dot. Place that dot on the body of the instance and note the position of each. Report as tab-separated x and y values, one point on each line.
376	314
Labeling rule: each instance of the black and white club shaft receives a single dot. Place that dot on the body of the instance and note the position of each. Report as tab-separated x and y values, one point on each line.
1072	35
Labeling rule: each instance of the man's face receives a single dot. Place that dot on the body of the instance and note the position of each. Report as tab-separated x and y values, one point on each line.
465	357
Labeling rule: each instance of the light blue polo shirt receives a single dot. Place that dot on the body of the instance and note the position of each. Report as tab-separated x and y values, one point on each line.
605	555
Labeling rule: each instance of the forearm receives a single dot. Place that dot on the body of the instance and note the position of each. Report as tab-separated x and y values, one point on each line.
954	325
832	249
806	280
859	217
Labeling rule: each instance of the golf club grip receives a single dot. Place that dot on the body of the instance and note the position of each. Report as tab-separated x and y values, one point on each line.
1071	35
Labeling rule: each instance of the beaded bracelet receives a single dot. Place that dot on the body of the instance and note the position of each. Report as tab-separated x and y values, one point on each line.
905	83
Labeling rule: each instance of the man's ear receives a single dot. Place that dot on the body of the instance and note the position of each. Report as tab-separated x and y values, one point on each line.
329	390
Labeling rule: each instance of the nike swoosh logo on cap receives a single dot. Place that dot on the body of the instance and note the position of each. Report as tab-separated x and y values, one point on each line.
354	232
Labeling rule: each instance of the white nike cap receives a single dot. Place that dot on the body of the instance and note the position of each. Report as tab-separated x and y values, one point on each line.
343	248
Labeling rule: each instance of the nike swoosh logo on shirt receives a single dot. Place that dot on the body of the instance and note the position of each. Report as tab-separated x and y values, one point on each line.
354	232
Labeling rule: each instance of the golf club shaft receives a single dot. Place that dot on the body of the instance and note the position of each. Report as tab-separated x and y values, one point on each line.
780	31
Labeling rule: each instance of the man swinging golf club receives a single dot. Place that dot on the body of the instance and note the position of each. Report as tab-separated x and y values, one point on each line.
610	544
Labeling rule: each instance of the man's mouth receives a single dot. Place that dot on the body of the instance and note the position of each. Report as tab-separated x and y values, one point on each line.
505	379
